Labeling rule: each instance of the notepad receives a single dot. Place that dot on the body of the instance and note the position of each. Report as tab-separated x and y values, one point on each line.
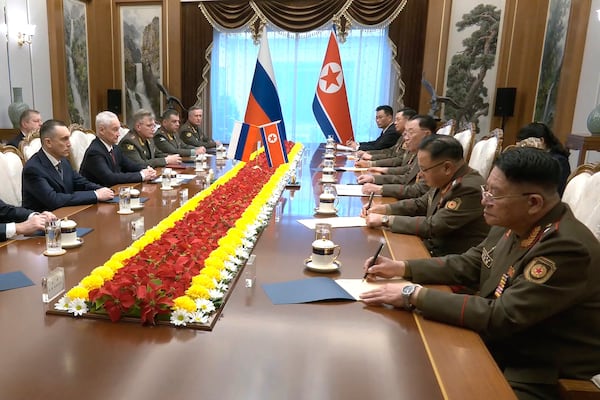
351	190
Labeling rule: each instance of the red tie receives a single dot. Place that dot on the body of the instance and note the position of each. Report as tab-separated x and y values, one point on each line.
113	157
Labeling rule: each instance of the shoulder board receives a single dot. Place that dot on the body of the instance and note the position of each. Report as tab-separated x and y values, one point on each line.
549	230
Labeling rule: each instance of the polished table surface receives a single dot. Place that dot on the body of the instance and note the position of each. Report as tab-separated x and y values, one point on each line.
257	350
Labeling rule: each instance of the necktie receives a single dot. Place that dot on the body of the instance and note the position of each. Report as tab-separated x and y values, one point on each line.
112	155
59	170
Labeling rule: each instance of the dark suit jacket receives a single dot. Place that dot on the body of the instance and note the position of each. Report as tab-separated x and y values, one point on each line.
142	151
43	189
388	138
16	140
9	213
98	166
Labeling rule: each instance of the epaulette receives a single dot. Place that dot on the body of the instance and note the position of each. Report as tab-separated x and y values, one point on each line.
549	230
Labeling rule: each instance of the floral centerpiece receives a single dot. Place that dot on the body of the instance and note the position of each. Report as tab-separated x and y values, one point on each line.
181	269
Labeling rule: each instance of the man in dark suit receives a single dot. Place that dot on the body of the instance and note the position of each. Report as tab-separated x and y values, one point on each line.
19	220
49	181
30	121
103	162
384	117
139	146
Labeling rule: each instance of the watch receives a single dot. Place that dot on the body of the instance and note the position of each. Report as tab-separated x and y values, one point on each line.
385	220
407	291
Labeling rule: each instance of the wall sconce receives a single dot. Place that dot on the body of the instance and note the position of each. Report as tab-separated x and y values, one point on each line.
25	34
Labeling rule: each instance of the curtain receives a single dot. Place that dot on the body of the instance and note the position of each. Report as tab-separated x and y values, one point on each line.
297	61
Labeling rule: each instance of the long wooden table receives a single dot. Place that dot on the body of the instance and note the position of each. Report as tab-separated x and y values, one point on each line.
257	350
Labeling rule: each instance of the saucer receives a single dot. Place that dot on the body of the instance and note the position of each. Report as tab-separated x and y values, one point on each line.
54	254
166	188
327	181
125	212
140	207
77	243
322	268
328	212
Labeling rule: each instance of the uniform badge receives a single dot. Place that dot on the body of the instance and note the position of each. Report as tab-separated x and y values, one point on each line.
162	139
188	134
129	147
453	204
539	270
486	257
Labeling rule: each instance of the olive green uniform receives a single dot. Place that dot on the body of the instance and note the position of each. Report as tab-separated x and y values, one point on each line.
538	305
410	189
194	136
396	151
142	151
170	143
450	219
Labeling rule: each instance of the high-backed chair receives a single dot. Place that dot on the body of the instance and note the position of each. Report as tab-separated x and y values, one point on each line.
123	130
11	163
447	128
586	209
466	137
30	145
577	185
485	152
80	141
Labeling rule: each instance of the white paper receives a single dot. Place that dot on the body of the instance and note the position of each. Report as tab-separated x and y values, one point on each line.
336	222
180	178
356	287
341	147
352	169
351	190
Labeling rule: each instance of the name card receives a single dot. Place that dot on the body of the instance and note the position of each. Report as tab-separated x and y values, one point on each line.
53	284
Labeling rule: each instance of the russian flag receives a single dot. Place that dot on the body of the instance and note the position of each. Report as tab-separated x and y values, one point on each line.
263	103
330	104
242	142
273	143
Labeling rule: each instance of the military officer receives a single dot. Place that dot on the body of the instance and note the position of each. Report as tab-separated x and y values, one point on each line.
191	133
167	138
537	275
449	217
138	146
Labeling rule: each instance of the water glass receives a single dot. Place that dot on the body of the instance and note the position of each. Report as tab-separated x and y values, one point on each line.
53	243
323	231
125	199
183	196
166	178
278	209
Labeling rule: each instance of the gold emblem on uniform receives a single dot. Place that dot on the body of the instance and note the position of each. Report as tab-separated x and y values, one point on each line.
486	257
453	204
188	134
533	237
129	147
539	270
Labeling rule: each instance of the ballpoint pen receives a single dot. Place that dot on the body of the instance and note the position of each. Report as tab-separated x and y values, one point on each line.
373	260
370	200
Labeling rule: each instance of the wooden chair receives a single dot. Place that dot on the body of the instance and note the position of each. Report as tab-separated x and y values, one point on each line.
485	152
573	389
11	163
447	128
80	141
30	145
466	137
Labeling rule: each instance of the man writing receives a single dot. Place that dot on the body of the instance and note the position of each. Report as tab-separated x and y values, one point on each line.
449	217
537	276
139	146
49	181
103	161
20	221
29	122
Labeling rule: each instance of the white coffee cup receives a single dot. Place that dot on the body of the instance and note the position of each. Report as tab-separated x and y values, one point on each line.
328	174
135	198
327	202
68	232
324	252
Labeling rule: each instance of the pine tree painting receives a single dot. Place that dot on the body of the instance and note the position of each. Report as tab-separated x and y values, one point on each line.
468	68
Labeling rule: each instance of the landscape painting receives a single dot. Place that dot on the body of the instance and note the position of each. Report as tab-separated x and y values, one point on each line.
76	62
141	50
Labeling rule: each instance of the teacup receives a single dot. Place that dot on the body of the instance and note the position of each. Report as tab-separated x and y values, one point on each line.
134	201
327	202
68	232
328	174
324	252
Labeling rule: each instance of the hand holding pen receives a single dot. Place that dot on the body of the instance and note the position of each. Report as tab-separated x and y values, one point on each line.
372	262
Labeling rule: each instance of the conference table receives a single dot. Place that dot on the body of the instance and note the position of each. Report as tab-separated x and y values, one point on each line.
256	350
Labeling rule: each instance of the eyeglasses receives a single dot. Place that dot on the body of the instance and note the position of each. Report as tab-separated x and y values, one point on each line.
489	197
432	167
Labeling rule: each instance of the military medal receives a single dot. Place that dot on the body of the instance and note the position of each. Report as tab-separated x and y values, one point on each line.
504	280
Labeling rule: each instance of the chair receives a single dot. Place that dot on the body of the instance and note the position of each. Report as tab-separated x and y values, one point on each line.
577	185
30	145
466	137
80	141
123	130
11	162
573	389
485	152
447	128
586	209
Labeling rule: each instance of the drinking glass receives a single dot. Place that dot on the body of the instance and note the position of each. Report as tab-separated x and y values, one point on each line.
52	230
323	231
125	199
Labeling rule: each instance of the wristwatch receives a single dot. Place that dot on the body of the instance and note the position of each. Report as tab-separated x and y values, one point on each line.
407	291
385	220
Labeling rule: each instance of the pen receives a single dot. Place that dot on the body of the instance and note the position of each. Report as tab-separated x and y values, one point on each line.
373	260
370	200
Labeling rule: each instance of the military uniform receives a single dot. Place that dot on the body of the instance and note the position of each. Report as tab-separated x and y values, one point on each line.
193	136
396	150
411	187
538	305
170	143
409	163
450	219
142	151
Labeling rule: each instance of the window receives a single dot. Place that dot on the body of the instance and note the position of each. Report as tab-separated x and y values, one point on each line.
297	61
